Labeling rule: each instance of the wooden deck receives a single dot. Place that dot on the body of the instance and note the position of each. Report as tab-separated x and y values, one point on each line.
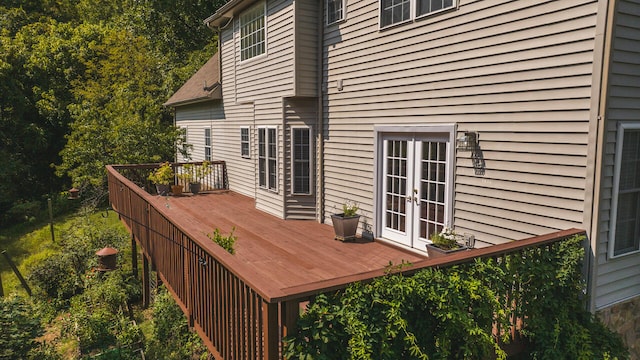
281	255
243	305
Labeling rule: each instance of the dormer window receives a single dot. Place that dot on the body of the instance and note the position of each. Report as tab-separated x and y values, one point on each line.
252	32
335	11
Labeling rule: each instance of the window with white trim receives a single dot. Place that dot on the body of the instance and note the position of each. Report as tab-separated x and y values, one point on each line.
335	11
425	7
252	32
301	160
398	11
245	143
268	158
207	144
625	220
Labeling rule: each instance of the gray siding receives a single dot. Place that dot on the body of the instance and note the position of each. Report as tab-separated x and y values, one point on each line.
517	72
619	279
272	74
225	138
298	112
254	91
306	48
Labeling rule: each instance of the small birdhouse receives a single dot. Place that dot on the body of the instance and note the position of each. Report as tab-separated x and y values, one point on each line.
107	259
74	194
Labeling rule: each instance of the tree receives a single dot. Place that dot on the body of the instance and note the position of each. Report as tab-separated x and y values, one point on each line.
117	116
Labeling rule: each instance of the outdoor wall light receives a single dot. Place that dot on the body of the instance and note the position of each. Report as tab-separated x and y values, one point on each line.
468	141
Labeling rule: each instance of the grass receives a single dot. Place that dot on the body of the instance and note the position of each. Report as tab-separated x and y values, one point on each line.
33	240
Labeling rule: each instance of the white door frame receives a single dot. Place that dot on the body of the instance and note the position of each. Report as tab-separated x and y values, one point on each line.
381	133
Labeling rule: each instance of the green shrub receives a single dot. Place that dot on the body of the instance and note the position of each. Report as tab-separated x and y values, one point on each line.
226	242
449	313
19	328
171	338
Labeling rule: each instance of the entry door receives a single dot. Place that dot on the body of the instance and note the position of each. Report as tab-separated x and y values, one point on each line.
415	181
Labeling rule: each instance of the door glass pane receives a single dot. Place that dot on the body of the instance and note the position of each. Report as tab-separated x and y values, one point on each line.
396	178
432	187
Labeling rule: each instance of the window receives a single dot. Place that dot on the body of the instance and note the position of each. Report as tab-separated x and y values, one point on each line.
424	7
301	160
267	158
252	32
395	11
625	223
207	144
335	11
245	143
399	11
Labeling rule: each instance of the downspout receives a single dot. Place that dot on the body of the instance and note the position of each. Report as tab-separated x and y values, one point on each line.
320	120
597	127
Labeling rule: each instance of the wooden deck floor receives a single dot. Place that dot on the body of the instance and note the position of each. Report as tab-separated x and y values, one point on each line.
292	256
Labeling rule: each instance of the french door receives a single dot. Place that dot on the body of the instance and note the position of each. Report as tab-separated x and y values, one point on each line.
415	187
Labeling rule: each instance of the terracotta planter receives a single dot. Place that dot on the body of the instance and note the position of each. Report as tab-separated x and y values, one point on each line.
435	252
345	227
176	190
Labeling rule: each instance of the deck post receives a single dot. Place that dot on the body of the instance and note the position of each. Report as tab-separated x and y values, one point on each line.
290	314
134	256
270	330
146	288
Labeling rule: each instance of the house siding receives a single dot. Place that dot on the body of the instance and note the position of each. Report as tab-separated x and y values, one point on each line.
225	139
618	279
517	72
299	113
306	48
270	75
254	91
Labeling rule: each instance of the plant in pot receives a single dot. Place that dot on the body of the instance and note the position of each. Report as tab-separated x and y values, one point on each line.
444	242
345	224
162	177
194	174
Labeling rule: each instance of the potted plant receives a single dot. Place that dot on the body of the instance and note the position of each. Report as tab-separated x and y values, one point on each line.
162	177
194	174
444	242
345	224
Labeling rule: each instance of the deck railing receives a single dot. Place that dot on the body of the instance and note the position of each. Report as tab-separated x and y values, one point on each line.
235	318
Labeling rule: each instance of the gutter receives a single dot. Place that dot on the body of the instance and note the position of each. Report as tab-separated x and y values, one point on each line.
320	121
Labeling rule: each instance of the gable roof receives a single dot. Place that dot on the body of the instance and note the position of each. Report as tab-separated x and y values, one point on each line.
204	85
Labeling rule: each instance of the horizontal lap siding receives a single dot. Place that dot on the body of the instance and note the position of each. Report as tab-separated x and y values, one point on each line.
306	44
301	113
271	75
619	279
519	73
253	91
225	138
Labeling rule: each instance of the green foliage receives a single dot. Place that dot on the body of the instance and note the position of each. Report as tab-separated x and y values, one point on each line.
226	242
163	175
451	313
18	328
445	239
171	338
82	86
350	208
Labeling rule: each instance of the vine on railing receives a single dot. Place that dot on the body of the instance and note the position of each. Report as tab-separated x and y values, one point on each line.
469	311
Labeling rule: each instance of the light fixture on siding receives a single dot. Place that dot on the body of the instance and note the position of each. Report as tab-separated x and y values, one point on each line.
468	141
